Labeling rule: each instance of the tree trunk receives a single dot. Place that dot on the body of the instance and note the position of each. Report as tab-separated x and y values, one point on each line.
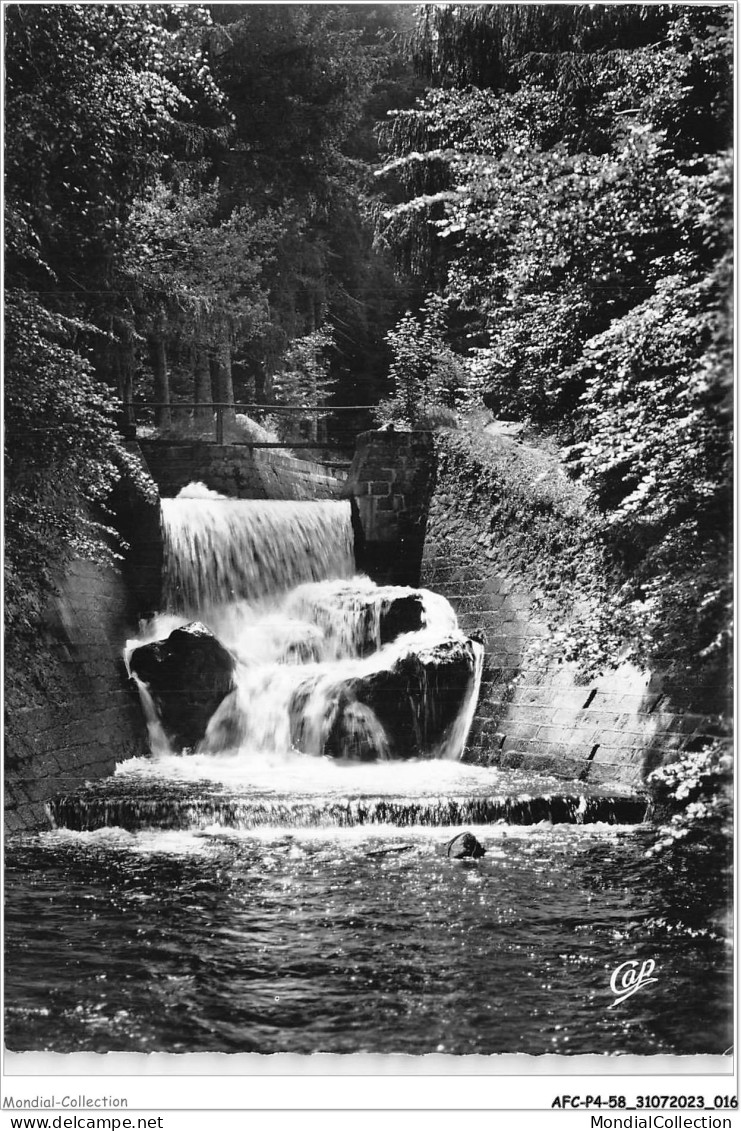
158	354
114	365
312	401
126	369
224	383
204	397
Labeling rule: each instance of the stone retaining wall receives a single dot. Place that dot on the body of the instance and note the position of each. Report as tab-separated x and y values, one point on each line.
535	709
538	713
70	714
240	472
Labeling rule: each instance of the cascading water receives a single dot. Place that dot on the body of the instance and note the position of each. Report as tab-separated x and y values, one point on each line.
285	885
219	550
326	663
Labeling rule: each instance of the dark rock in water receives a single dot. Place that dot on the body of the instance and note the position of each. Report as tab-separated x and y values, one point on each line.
303	736
348	729
465	846
227	727
407	710
357	734
302	652
188	675
419	699
402	614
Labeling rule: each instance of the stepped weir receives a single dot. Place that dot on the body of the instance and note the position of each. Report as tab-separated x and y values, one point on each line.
282	689
316	661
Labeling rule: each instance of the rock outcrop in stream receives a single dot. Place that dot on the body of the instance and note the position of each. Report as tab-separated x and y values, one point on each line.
465	847
187	675
339	667
408	709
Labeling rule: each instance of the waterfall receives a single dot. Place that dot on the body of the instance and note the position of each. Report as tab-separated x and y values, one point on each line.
219	550
325	663
158	743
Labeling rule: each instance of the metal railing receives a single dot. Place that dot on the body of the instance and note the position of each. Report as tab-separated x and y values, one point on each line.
330	428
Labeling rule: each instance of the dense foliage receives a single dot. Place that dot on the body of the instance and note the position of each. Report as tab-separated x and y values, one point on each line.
185	222
428	378
98	99
61	455
694	796
565	184
302	82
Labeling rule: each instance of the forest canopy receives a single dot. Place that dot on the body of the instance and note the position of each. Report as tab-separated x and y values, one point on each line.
186	222
565	186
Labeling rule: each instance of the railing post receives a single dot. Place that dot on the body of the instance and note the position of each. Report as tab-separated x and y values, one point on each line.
219	425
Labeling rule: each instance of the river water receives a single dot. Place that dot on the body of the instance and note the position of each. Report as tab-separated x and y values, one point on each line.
359	939
258	898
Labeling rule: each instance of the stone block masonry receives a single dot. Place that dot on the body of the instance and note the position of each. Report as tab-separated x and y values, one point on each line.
390	482
504	527
498	529
240	472
70	714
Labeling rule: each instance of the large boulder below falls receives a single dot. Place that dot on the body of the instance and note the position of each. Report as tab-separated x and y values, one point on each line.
405	711
419	698
361	615
188	675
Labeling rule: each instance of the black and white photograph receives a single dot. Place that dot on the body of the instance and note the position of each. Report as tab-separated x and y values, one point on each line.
368	535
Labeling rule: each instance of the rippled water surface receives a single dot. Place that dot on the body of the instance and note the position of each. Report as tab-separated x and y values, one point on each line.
363	939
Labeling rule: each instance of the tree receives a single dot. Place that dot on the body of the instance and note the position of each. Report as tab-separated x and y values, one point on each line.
566	184
199	281
62	456
92	112
428	379
98	100
654	448
303	83
305	380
